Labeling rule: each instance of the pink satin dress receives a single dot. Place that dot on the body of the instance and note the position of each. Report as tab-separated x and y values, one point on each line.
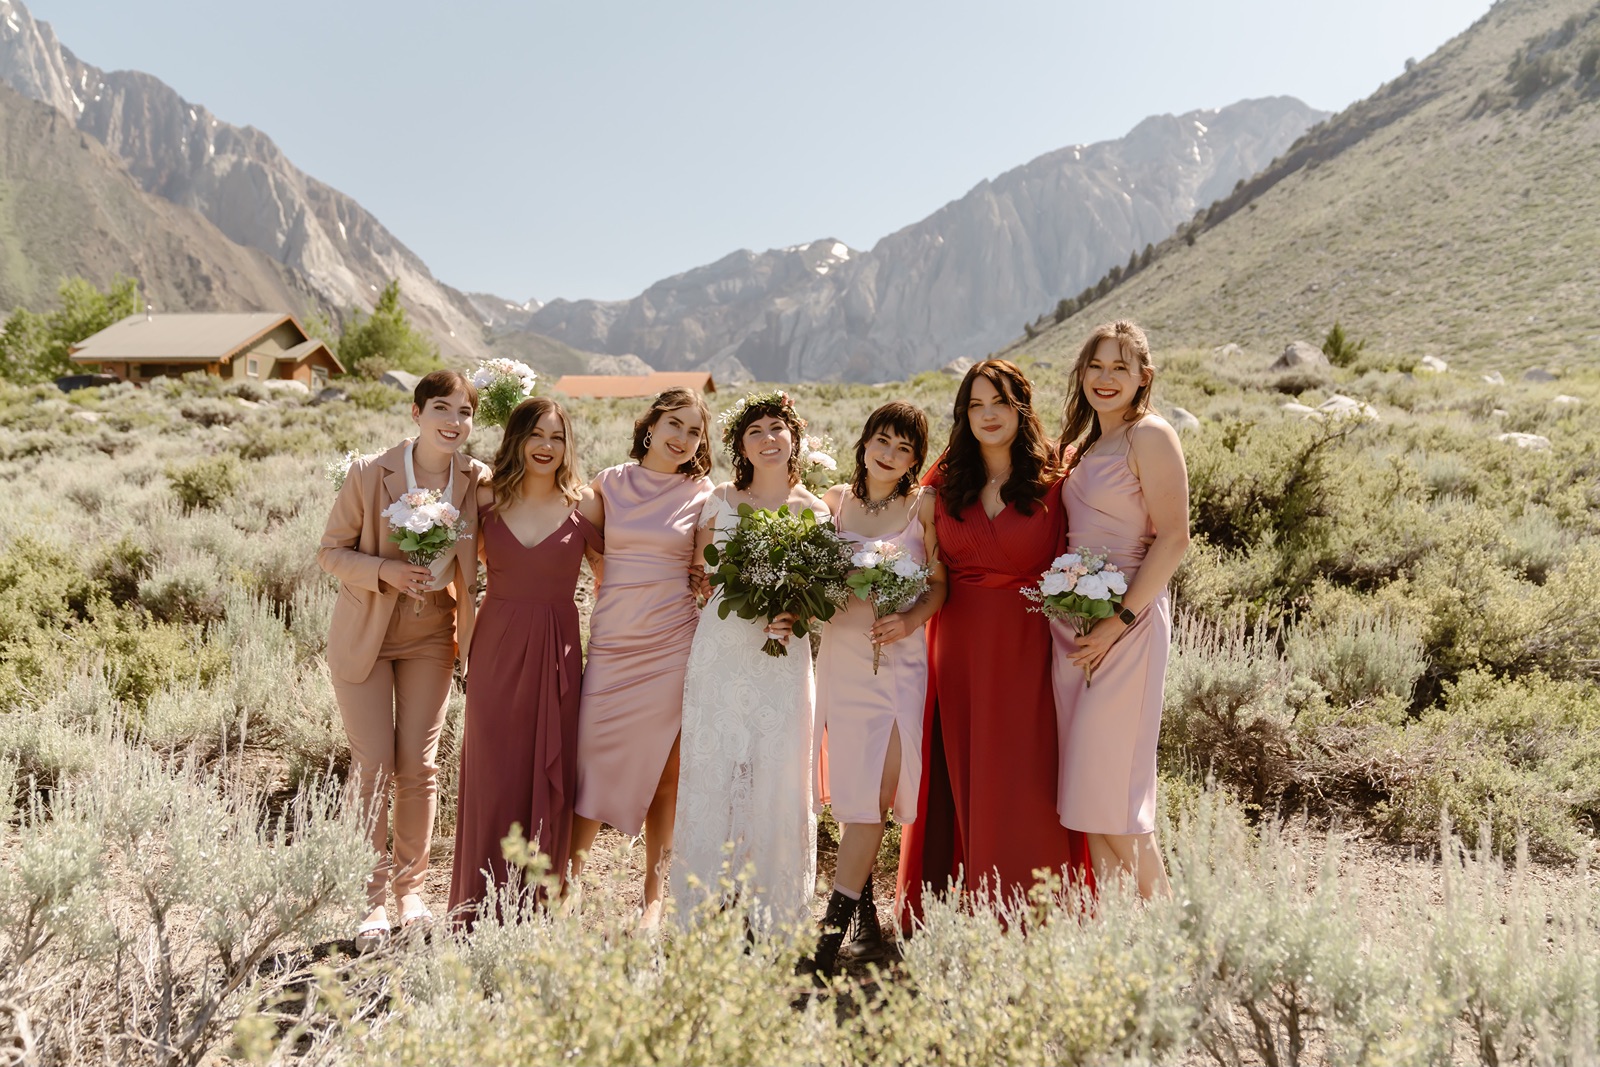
639	637
857	710
1108	731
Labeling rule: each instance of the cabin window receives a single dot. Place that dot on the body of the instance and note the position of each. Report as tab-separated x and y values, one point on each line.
255	368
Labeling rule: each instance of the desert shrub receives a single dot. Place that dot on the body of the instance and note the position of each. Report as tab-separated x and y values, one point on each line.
1535	544
373	396
184	588
121	566
1358	657
211	411
1520	757
140	659
206	482
1341	349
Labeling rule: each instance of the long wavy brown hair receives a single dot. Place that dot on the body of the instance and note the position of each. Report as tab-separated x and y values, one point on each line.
675	399
510	468
766	408
1080	423
898	417
1034	465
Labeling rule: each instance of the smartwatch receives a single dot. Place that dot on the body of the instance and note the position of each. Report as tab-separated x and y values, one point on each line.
1128	618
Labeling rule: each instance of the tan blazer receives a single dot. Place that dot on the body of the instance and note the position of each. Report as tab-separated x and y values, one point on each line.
356	542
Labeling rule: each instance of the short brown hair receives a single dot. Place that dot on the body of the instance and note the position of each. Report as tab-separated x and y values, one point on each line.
675	399
443	383
905	419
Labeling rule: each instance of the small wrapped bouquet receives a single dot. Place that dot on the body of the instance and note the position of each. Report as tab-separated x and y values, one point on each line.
1082	588
502	384
426	526
818	468
887	578
338	469
776	562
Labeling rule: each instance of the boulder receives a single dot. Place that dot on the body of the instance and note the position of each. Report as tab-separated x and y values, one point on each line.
1432	365
1537	374
1565	401
1181	420
1495	378
1345	407
287	385
402	380
1291	408
68	383
1526	440
957	368
330	394
1299	354
86	416
1498	413
1228	351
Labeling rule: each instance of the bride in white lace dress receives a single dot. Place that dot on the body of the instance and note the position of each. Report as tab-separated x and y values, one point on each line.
745	775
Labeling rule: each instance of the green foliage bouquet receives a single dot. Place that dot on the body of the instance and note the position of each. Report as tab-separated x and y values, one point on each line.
502	384
777	562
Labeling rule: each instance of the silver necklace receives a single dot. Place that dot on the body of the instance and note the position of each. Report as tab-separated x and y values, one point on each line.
878	507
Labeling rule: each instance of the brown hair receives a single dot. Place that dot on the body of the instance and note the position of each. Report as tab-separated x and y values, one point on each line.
510	468
765	408
675	399
443	383
1034	465
1080	423
909	422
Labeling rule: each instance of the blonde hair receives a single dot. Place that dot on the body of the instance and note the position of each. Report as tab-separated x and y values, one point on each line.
510	468
1078	419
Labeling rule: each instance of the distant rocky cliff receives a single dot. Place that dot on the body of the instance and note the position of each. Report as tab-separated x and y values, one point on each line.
960	282
235	177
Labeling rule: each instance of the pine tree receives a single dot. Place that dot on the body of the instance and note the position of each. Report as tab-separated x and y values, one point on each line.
386	340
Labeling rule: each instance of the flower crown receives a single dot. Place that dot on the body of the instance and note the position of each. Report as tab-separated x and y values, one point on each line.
730	418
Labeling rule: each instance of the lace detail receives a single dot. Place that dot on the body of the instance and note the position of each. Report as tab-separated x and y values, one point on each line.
744	778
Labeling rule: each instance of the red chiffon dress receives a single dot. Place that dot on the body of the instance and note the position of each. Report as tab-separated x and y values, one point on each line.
986	811
520	738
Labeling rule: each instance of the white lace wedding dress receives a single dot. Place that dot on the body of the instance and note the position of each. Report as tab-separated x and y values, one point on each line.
744	773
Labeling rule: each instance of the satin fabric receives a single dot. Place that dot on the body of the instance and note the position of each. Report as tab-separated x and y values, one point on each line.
518	750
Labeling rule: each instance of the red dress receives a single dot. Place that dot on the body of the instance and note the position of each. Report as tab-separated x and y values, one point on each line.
519	743
987	806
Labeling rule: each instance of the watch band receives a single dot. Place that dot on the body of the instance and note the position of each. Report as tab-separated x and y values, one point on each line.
1128	618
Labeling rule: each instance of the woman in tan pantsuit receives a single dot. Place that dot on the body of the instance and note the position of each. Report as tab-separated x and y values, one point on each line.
395	634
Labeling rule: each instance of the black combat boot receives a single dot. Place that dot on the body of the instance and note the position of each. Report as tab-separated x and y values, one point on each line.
866	941
833	927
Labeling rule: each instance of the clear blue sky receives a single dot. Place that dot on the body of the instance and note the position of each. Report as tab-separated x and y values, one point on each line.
590	147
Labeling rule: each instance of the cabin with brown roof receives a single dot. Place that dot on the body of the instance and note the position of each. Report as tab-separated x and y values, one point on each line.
251	345
634	385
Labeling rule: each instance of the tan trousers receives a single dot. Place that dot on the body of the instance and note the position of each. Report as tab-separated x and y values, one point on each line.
393	720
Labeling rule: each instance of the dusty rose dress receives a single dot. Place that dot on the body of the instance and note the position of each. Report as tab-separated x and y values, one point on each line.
518	746
1108	731
858	710
639	638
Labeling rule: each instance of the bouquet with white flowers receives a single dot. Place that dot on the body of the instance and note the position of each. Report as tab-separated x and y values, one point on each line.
339	469
502	384
817	465
426	526
888	579
776	562
1082	588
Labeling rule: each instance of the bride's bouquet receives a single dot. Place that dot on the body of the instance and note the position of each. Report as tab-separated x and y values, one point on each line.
776	562
1082	588
502	384
887	578
426	526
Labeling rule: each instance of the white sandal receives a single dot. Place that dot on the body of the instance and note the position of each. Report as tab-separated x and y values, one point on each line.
373	931
413	912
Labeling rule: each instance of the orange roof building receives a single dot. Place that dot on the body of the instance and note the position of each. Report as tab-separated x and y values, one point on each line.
632	385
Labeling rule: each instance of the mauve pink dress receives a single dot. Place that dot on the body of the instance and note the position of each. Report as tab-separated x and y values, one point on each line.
1108	731
639	638
858	710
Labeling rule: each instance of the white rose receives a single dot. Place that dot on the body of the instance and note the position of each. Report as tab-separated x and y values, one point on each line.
906	567
1054	583
822	459
1071	559
1116	581
1092	586
418	522
866	558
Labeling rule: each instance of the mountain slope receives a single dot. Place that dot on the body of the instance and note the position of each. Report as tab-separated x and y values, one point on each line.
1455	212
67	206
236	178
957	283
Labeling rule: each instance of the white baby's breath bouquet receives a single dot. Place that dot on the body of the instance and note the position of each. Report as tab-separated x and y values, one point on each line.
776	562
502	384
426	526
889	579
1082	588
338	468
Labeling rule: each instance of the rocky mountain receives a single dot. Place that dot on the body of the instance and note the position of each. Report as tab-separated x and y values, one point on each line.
1454	213
68	206
958	283
236	178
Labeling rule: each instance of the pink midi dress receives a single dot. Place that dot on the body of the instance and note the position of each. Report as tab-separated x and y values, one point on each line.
1108	731
639	636
857	711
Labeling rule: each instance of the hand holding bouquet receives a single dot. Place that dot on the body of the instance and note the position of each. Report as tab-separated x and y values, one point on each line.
502	384
777	562
426	527
1081	587
887	578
